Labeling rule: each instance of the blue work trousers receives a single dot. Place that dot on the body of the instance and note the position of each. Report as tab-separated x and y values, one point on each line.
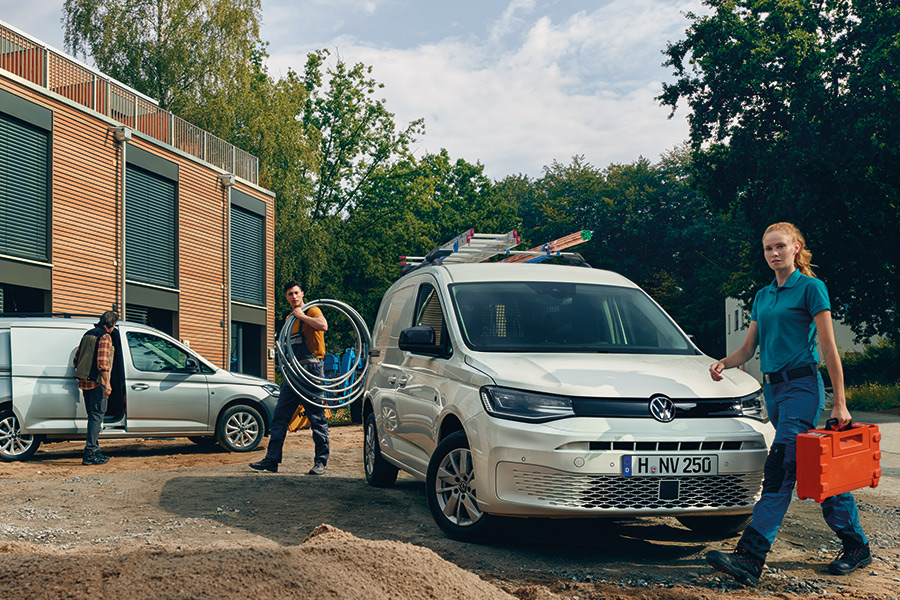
794	407
288	401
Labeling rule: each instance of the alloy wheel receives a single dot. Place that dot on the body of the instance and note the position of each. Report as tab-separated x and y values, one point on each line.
455	488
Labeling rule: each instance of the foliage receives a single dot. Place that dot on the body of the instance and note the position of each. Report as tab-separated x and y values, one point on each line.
355	134
873	397
793	105
649	225
878	363
175	51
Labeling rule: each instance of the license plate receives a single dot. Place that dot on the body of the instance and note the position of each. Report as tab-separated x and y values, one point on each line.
655	466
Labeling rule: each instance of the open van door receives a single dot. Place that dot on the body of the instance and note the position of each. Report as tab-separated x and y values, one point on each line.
45	393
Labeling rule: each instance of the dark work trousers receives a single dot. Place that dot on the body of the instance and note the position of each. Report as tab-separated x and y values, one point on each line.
288	400
95	405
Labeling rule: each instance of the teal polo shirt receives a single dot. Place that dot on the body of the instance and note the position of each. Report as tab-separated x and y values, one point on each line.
784	316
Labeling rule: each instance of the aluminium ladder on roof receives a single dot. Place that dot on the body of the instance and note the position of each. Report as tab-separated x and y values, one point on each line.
550	249
468	247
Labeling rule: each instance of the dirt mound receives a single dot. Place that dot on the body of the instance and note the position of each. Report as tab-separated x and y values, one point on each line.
330	563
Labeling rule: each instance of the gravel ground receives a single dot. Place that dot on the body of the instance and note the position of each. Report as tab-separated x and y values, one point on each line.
173	510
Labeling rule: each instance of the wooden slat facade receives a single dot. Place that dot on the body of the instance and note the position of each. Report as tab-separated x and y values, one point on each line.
86	173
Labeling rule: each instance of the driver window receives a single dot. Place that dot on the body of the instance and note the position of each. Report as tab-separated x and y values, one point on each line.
154	354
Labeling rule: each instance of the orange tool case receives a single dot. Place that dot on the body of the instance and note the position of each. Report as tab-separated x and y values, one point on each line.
833	462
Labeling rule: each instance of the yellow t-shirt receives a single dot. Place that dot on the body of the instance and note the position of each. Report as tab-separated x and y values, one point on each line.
314	339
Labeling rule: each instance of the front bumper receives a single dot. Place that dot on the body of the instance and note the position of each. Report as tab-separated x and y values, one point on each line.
573	467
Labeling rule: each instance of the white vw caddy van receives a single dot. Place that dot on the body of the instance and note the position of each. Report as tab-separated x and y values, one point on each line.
161	388
555	391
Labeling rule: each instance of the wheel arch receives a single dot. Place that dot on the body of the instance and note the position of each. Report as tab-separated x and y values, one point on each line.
449	424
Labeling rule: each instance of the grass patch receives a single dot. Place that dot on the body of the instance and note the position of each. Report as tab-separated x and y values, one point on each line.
873	397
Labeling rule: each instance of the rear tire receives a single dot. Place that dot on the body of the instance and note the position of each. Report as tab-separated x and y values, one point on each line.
379	472
716	526
452	490
14	445
240	428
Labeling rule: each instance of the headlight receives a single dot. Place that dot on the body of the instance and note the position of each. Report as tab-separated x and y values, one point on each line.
524	406
272	389
754	406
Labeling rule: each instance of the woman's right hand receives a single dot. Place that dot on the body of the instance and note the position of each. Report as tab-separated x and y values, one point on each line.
715	370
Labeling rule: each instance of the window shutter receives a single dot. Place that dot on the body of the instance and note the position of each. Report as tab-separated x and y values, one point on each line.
24	190
248	259
149	228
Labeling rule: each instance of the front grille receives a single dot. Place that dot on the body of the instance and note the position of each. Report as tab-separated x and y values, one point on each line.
613	492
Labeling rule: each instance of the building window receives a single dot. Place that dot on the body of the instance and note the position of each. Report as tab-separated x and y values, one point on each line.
24	190
150	235
248	257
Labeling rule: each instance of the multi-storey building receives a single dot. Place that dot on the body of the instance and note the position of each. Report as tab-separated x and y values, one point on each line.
109	202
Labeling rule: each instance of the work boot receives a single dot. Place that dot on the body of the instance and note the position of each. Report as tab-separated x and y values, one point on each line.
265	465
318	469
850	560
741	564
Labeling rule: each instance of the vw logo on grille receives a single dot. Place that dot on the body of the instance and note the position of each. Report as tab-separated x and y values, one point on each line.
662	408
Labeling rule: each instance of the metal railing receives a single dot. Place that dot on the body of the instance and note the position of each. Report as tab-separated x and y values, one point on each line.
31	60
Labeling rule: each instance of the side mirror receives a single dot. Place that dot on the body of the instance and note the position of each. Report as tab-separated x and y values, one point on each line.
420	340
191	365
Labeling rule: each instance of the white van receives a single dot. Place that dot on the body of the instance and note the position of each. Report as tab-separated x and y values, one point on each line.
555	391
161	388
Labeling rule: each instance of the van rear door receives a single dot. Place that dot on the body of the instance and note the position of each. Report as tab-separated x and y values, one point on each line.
44	389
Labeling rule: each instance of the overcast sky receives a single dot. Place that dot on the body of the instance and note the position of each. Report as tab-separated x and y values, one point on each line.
513	84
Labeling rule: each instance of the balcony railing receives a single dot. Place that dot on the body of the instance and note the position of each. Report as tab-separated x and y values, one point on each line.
43	66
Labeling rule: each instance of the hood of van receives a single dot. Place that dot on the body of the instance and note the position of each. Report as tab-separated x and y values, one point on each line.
612	375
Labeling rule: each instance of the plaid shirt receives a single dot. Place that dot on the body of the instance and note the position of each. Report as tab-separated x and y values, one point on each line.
104	353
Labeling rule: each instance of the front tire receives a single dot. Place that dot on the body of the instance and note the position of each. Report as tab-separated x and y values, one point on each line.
14	445
379	472
240	428
716	526
452	490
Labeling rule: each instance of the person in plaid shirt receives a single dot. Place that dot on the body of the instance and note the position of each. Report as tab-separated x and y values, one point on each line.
93	365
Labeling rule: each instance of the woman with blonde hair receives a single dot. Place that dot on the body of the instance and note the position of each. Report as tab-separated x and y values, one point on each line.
785	319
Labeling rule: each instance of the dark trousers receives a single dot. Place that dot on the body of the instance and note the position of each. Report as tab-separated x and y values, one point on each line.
95	405
288	401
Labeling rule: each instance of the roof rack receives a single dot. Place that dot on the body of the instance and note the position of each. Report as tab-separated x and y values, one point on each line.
471	247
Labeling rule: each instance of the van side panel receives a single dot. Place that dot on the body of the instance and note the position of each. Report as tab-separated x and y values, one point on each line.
44	389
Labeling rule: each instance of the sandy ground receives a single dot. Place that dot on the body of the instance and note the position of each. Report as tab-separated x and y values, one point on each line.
170	519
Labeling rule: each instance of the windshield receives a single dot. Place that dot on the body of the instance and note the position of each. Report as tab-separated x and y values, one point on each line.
563	317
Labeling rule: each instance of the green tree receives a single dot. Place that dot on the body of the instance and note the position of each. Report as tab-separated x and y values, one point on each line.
793	108
175	51
355	134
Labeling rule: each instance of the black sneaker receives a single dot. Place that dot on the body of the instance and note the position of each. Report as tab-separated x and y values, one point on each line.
95	459
265	465
850	560
740	564
318	469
